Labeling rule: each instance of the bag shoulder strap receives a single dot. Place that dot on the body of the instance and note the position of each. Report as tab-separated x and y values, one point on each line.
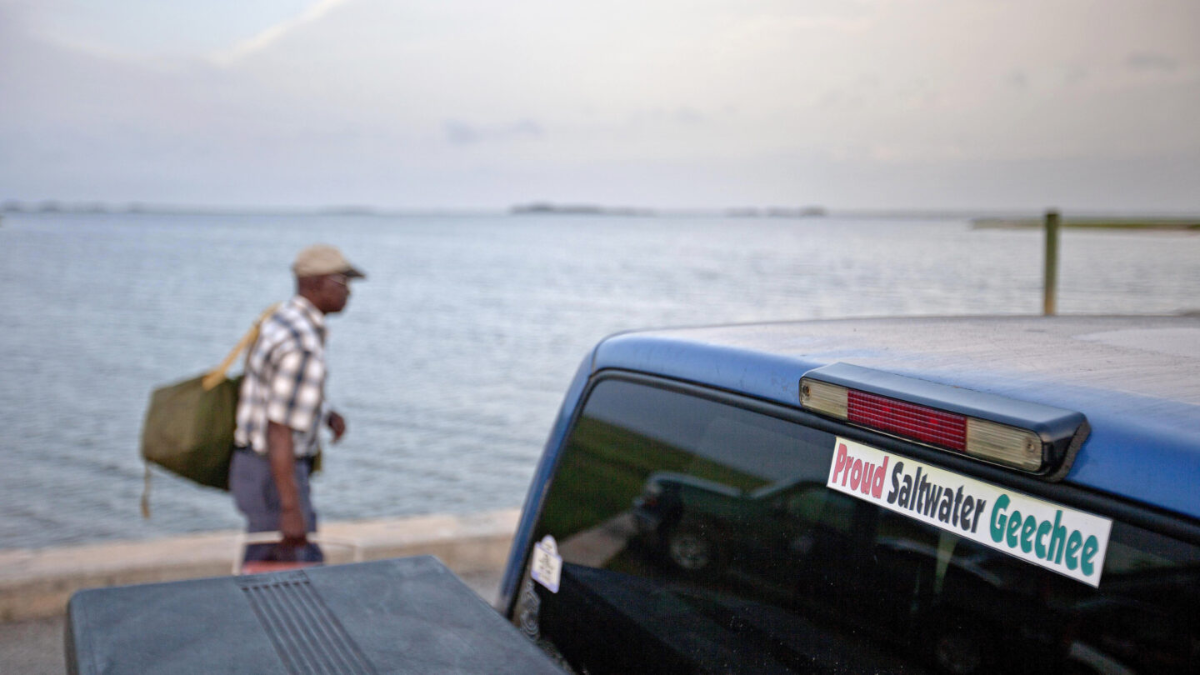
217	375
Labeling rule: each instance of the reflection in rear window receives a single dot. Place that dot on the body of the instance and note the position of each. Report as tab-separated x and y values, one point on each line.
698	536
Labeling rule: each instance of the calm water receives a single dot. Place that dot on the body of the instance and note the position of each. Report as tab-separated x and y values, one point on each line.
451	360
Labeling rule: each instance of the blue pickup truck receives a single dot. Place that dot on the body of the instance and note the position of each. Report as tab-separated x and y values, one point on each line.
966	495
959	495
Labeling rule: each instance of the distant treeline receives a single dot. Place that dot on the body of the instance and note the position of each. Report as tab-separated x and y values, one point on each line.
548	208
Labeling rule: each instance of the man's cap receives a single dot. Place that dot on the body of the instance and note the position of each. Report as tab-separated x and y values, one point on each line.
321	259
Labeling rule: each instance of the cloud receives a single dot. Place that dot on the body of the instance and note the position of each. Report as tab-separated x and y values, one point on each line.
1151	62
1076	75
686	115
463	133
270	35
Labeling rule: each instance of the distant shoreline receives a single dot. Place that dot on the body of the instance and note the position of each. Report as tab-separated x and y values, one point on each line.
977	218
1143	224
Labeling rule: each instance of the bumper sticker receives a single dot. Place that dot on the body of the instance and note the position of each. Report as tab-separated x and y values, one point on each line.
547	563
1067	541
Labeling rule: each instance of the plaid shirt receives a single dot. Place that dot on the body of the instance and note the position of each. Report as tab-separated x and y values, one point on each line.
285	379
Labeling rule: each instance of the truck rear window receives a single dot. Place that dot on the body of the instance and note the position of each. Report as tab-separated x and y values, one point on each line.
698	536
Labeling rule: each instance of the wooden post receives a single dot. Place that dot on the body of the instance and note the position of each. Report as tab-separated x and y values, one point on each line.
1050	289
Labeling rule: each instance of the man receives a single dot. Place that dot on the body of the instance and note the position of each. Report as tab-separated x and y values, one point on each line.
282	406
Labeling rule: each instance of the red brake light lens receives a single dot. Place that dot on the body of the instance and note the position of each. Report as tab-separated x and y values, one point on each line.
908	420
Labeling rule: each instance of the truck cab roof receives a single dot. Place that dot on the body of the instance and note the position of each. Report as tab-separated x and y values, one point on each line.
1135	378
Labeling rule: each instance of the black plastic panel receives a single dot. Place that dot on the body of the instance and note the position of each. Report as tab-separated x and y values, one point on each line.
410	615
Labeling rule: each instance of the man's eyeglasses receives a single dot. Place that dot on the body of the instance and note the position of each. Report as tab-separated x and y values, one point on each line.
341	279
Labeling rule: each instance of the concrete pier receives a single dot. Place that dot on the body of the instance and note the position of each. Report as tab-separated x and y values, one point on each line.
36	583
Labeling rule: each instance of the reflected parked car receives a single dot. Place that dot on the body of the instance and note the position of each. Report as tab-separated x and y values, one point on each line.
1149	608
951	598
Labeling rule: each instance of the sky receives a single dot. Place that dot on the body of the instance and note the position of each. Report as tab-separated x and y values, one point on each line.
475	104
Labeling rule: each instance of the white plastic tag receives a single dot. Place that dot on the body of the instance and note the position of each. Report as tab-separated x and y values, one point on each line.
547	563
1070	542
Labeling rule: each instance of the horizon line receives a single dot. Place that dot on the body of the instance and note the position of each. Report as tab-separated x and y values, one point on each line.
96	207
